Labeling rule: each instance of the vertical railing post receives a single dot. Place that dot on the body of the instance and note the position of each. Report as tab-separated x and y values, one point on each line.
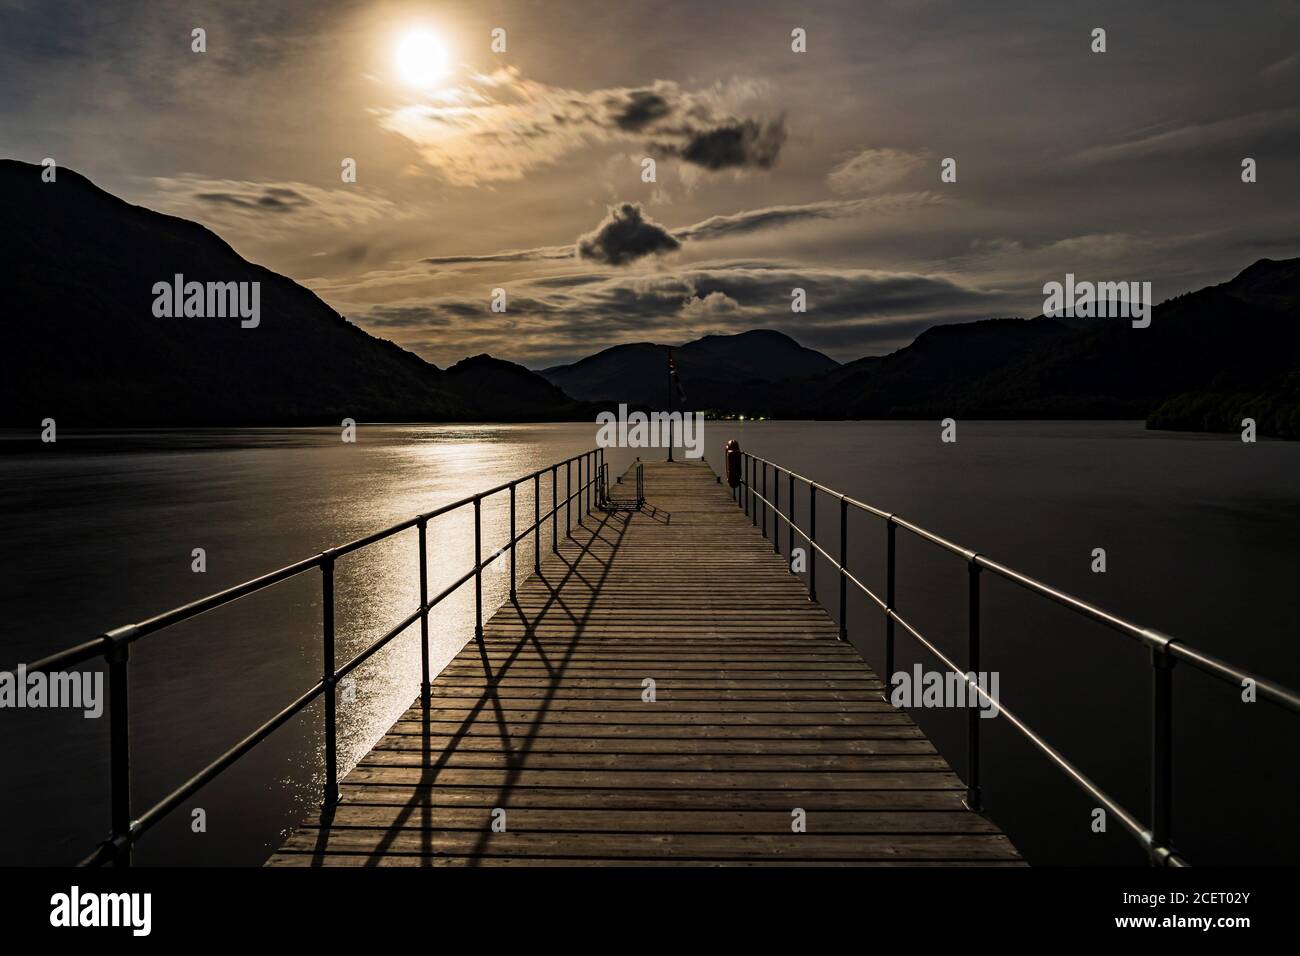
555	510
512	540
568	498
744	483
891	580
763	494
329	679
973	709
119	731
812	540
422	525
478	569
753	491
776	510
1162	752
790	540
749	488
537	522
844	567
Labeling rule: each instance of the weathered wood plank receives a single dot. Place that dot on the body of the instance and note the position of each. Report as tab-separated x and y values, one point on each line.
289	859
612	820
699	846
645	762
696	779
651	800
573	745
488	726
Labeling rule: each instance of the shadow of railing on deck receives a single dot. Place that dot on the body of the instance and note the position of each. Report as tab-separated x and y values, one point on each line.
594	529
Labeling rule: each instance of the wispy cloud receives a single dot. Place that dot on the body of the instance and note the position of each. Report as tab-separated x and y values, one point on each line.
1282	67
558	318
270	206
496	127
873	169
715	227
1191	136
771	217
510	255
277	199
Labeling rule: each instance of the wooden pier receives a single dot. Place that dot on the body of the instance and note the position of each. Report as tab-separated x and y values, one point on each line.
758	712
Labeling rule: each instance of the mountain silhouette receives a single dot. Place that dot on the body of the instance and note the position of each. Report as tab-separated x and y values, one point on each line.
717	371
505	391
1222	344
85	348
1208	359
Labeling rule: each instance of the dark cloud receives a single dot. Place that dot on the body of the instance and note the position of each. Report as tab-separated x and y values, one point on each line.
270	199
569	281
735	145
514	255
639	109
624	236
703	135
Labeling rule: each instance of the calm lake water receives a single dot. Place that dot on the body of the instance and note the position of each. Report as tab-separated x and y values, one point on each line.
1200	534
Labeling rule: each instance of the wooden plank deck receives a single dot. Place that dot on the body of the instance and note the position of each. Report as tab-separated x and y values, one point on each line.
759	710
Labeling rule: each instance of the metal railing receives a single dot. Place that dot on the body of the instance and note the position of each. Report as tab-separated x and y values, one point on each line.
610	502
114	645
752	495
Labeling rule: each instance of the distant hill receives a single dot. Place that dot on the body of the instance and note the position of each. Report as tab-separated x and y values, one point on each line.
939	370
1259	367
717	371
504	390
84	347
1204	354
1274	404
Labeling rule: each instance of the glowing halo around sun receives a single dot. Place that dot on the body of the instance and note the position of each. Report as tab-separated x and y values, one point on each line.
421	59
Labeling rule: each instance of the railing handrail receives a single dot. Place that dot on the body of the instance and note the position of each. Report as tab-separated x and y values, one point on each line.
129	633
114	645
1275	693
1164	650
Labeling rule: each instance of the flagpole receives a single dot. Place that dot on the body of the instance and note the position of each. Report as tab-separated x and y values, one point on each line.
670	404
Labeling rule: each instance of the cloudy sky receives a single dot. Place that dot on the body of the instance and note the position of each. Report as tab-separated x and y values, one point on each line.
774	169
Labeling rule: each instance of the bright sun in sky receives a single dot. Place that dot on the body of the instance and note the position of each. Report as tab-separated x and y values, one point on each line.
421	58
